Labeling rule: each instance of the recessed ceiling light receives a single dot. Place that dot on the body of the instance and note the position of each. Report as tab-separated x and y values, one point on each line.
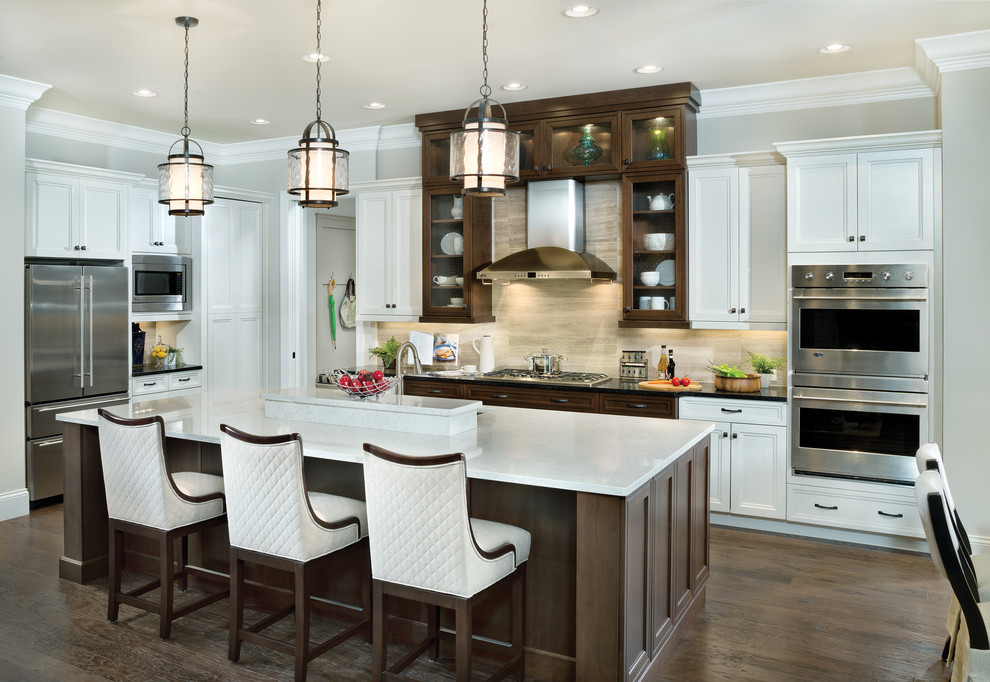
514	86
649	68
259	121
833	48
314	57
374	105
581	11
144	92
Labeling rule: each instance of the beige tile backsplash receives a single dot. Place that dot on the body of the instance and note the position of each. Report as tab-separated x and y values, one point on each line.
579	320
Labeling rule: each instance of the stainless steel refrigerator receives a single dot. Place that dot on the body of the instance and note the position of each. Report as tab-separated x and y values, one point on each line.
77	356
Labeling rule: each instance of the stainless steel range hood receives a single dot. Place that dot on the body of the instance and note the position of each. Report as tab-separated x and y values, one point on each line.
554	237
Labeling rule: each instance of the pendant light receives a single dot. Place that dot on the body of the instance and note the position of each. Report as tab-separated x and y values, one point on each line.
318	167
185	182
484	153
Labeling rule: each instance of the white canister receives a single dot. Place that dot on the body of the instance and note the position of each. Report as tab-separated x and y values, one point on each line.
486	353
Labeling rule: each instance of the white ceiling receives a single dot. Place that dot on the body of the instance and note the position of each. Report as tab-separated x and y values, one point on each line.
245	55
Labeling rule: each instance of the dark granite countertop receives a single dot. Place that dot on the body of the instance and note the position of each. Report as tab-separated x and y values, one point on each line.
776	393
145	370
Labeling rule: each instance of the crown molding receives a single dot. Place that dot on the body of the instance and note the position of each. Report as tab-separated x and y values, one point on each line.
884	142
18	93
84	129
813	93
740	160
958	52
74	171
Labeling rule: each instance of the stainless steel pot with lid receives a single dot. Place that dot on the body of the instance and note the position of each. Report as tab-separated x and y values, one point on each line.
544	362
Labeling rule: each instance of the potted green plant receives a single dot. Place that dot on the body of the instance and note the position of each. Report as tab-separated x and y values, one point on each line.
764	365
386	352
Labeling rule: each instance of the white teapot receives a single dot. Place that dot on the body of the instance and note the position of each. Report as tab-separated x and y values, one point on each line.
661	202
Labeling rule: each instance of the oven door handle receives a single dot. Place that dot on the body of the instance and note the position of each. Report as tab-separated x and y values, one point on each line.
799	297
895	403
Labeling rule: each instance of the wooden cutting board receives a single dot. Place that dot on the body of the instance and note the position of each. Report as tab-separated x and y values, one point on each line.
665	386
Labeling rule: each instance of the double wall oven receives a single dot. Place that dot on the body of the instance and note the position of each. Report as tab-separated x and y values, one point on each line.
860	358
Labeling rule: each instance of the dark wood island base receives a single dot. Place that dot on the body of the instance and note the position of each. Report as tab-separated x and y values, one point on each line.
613	582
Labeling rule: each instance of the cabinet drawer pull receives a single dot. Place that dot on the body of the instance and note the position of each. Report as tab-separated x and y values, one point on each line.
637	406
881	512
181	381
559	400
822	506
433	390
728	411
149	383
499	395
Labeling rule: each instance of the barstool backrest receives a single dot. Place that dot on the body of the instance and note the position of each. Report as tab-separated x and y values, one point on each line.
139	489
929	456
418	524
948	553
267	507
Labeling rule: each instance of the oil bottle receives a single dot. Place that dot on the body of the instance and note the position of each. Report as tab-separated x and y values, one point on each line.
662	365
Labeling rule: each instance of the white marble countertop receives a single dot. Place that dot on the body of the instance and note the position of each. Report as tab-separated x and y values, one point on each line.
595	453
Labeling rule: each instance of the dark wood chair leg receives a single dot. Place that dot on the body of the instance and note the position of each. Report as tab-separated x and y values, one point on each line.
519	623
366	600
236	605
379	636
116	570
183	562
167	561
462	641
433	630
302	622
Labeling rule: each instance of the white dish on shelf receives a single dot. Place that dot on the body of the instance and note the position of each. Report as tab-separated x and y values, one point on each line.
452	244
667	272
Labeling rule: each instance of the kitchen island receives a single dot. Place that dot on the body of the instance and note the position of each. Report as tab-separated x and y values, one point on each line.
617	507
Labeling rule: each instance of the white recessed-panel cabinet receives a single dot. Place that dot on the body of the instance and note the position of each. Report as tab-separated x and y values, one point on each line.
152	229
737	232
75	211
389	251
870	193
748	454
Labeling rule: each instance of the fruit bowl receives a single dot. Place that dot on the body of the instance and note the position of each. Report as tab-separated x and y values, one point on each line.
747	384
366	388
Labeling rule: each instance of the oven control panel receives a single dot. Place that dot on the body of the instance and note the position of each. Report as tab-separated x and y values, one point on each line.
868	276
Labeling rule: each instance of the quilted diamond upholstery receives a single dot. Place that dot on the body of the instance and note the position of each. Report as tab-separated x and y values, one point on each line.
266	503
136	481
420	532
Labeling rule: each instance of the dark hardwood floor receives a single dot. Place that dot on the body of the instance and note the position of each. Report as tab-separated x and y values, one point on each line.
778	608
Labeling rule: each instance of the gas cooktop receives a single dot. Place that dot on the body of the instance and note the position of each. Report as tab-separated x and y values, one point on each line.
560	379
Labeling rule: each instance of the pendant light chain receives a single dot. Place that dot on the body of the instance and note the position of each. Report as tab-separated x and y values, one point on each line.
485	89
185	102
319	56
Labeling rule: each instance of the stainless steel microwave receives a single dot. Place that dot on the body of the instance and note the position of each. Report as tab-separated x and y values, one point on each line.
161	284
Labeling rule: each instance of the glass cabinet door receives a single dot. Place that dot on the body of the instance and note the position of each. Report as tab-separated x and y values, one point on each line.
444	246
530	164
654	249
651	139
584	145
436	158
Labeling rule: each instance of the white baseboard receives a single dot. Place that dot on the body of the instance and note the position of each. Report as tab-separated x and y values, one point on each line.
822	533
14	503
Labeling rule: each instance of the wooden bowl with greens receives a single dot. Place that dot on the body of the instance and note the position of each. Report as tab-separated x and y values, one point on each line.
733	379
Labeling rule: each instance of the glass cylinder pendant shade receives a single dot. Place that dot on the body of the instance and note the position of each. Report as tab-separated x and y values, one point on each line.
318	168
185	181
485	155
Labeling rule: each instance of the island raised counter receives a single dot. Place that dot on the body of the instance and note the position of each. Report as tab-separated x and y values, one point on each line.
617	508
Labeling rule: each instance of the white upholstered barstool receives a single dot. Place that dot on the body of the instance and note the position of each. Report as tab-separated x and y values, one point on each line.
274	521
144	498
426	548
929	458
972	655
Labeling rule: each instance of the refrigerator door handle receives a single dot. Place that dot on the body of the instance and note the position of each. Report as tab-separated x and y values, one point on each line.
82	332
91	365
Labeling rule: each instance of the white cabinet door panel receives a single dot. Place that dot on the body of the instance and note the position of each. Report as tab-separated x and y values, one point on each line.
407	217
104	205
52	205
142	210
249	291
220	240
896	200
821	208
372	269
763	246
246	345
714	236
720	471
759	481
223	361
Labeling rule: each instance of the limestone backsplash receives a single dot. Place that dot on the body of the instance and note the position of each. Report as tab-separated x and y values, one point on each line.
579	320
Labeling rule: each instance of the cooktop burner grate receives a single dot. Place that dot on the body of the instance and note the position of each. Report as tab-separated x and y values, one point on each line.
562	378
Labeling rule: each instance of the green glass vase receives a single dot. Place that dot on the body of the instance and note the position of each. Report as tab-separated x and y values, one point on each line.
659	149
586	151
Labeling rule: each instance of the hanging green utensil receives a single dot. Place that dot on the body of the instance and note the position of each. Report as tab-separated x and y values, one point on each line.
333	317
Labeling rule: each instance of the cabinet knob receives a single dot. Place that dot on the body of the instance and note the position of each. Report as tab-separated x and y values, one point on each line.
742	310
862	237
627	161
735	435
83	247
628	309
725	434
549	168
76	247
732	310
536	169
851	238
